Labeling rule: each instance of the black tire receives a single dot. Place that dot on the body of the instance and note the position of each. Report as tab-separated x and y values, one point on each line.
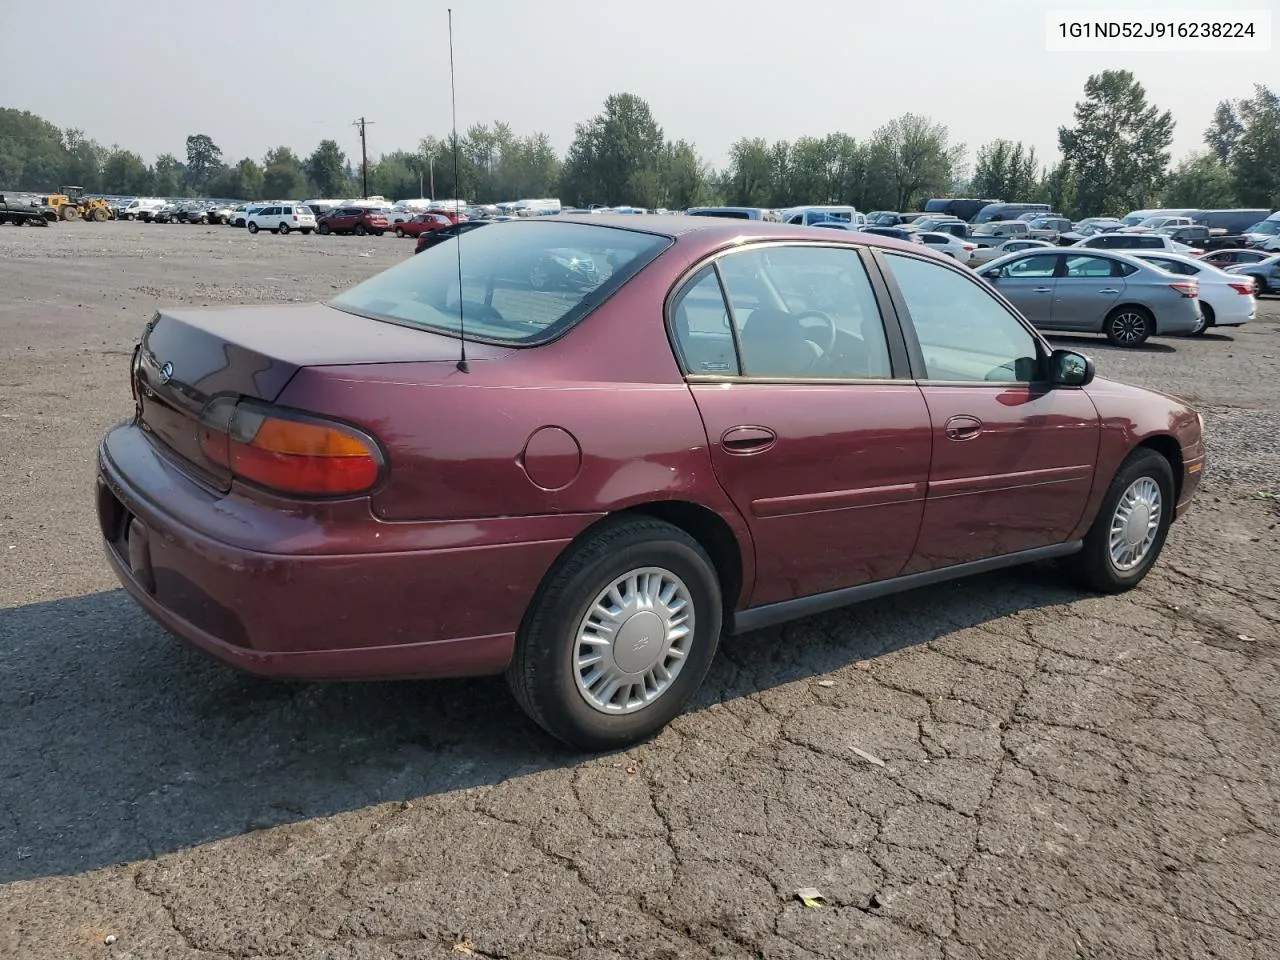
305	231
1129	326
378	233
324	229
360	230
128	216
1206	321
253	227
400	233
283	229
1259	286
542	673
1093	567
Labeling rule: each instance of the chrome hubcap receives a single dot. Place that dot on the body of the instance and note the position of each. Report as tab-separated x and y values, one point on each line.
1135	523
1129	327
634	641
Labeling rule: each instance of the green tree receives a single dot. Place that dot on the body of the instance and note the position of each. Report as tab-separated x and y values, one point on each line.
1201	181
1255	161
916	158
686	176
1223	132
396	175
83	165
1005	171
750	179
326	169
33	155
282	176
1119	146
241	182
1058	189
204	159
166	176
615	153
124	172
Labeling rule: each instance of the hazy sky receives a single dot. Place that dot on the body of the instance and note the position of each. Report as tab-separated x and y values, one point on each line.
254	75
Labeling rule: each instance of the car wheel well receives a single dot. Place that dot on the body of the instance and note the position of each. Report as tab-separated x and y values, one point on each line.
1168	448
712	533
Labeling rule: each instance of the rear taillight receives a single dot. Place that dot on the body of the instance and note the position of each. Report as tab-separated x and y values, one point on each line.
1188	288
289	452
1244	289
970	246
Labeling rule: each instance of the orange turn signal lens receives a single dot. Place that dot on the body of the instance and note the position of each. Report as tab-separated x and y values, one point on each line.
290	453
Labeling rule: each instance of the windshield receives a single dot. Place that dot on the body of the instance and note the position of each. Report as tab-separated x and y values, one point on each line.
1270	228
523	282
1133	220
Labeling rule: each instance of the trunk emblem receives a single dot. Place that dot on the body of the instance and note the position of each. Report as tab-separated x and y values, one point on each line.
166	372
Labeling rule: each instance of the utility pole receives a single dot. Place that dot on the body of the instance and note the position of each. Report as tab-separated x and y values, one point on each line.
364	155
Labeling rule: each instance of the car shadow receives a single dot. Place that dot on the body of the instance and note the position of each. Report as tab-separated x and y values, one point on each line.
1098	344
121	743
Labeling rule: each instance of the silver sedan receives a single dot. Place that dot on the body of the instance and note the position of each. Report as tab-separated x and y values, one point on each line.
1097	291
987	254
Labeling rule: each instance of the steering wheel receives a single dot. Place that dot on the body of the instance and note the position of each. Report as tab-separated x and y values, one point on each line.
830	324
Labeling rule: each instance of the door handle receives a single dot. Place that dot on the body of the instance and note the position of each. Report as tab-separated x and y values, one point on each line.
1109	290
745	439
1043	289
963	427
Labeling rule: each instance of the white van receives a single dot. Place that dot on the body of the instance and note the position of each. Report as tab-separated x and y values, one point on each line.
134	209
809	215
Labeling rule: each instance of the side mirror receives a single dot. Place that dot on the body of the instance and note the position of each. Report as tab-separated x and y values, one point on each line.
1070	369
992	275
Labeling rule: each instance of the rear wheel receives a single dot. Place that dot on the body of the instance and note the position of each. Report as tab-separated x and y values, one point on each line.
1130	529
99	215
306	231
1259	286
619	636
283	228
1129	326
360	230
1206	320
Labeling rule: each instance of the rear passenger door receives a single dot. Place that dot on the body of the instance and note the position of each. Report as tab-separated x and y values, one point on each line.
816	431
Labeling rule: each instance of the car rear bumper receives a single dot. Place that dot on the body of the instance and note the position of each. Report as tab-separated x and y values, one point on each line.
446	611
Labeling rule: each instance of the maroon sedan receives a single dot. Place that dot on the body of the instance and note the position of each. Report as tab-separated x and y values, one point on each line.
664	428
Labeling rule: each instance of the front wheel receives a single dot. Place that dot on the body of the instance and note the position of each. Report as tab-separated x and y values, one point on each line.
400	232
253	227
324	229
1130	529
620	635
1129	326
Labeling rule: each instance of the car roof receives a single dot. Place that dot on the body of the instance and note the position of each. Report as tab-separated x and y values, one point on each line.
719	231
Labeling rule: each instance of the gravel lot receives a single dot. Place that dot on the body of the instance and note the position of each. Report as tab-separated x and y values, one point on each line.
1063	775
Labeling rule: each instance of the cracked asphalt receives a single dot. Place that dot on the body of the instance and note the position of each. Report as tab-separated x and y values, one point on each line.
997	768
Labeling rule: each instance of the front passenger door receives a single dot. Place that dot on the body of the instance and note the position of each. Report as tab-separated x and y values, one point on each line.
1013	457
1029	283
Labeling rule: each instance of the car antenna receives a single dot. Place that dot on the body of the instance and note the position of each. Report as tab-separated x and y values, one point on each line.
457	189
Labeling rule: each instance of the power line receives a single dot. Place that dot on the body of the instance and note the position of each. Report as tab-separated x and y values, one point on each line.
364	155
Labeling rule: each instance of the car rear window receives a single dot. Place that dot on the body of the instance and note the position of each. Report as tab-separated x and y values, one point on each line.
523	282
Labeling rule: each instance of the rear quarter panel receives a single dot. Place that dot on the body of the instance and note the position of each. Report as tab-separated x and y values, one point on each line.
456	442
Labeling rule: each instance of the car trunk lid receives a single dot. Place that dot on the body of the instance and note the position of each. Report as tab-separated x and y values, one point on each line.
188	357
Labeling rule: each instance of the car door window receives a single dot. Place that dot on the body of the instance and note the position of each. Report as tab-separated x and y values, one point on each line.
1041	265
700	322
1083	267
805	311
965	333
